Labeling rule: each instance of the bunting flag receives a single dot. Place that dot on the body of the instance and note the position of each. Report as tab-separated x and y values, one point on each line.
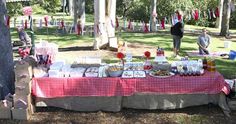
5	19
205	15
14	23
196	15
143	26
209	13
160	26
163	23
40	23
129	25
8	21
79	29
132	25
117	23
31	22
82	28
98	29
213	13
217	12
75	27
26	24
189	16
112	24
62	24
124	23
199	14
22	23
46	21
149	27
146	28
56	22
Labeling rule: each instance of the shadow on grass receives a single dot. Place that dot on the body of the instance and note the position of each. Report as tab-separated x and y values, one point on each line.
80	48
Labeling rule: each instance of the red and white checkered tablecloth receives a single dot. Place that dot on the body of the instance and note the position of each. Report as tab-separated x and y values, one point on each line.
209	83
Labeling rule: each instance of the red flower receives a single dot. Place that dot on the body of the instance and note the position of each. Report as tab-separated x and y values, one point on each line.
147	54
120	55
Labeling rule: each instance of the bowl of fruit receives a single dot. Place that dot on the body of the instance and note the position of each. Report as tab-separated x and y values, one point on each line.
115	70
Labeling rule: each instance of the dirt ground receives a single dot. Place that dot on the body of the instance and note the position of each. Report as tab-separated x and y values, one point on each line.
207	114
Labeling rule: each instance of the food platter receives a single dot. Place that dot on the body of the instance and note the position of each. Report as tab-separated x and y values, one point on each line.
139	74
161	74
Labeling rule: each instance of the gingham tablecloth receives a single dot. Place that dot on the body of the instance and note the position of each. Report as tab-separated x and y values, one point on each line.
209	83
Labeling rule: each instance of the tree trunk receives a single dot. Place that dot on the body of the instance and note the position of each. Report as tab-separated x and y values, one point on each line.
153	15
219	19
104	21
71	7
226	18
6	62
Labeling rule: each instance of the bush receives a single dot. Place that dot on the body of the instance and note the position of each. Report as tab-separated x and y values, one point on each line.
38	10
202	22
14	9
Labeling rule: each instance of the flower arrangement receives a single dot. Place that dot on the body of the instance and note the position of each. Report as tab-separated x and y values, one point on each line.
147	63
121	56
147	54
24	52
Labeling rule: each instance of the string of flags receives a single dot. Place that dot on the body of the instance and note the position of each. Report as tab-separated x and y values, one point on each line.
130	25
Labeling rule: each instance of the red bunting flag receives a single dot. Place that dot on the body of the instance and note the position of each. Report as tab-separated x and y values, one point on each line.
117	23
196	15
163	23
79	29
8	21
62	24
26	24
145	28
46	21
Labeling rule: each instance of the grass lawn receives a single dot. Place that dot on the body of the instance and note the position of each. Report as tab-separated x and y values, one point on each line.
161	38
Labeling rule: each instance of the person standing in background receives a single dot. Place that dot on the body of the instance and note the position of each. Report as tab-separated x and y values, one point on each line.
177	31
203	42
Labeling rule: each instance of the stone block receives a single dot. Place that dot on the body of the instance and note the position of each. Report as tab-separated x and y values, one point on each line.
23	88
21	114
22	101
5	113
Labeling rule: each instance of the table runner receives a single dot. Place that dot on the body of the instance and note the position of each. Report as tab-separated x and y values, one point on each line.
209	83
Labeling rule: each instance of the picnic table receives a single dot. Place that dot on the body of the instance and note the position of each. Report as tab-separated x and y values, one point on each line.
113	94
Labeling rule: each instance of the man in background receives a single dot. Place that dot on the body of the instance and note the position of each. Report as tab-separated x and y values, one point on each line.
203	42
24	37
